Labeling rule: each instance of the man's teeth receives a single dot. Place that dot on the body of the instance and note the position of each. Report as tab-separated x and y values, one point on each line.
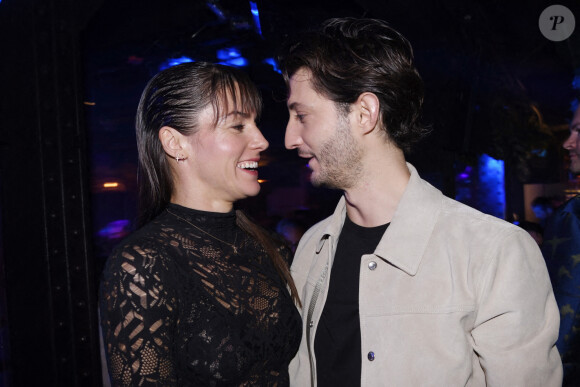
248	165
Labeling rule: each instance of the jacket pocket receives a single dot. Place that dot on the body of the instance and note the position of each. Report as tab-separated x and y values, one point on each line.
419	345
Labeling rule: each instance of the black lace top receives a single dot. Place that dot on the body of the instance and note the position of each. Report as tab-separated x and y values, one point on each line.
179	307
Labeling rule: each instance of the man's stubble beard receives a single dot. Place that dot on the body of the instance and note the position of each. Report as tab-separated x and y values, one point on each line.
340	159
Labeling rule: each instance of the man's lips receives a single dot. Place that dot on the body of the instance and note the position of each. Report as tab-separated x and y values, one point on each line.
306	155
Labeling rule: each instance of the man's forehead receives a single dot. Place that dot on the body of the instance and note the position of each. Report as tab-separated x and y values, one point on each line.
301	92
303	74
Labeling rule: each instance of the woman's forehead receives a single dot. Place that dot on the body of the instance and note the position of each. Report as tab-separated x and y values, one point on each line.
236	102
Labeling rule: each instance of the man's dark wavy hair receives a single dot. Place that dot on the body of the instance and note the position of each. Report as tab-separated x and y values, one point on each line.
349	56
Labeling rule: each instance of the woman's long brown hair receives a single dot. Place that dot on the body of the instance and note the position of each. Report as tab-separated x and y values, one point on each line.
268	244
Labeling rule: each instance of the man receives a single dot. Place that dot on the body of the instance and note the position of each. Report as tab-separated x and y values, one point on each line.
561	249
401	286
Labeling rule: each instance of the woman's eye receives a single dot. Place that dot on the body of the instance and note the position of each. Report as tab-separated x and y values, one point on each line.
238	127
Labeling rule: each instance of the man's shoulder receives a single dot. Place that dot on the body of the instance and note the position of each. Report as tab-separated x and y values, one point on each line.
450	211
473	223
563	220
572	206
480	238
461	211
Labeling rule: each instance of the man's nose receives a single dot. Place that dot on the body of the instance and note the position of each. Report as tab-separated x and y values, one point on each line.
292	139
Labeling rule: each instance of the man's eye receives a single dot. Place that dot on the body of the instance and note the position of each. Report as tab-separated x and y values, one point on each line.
300	117
239	128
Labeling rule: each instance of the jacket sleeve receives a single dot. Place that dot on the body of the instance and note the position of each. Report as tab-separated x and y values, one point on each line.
137	315
517	320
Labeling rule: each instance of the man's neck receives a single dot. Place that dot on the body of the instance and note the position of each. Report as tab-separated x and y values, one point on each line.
373	201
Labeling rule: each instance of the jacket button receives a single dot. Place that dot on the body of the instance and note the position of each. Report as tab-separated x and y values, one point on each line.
371	356
372	265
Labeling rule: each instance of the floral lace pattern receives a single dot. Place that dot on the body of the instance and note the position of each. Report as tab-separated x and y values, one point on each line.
178	307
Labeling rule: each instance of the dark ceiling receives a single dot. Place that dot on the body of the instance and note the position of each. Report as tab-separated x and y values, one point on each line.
479	60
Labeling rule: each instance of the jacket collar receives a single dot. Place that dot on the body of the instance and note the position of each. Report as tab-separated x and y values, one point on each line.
405	241
334	227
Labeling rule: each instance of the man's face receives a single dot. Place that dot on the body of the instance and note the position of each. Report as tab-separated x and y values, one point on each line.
322	133
572	144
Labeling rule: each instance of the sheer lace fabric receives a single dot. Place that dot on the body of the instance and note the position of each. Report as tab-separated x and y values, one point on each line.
178	307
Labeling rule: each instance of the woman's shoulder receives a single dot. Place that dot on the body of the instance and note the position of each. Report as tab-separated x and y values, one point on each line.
144	236
145	248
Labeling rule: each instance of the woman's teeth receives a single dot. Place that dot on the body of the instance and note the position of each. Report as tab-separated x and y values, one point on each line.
248	165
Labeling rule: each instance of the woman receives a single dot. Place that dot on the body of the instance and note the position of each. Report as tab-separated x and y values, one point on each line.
198	295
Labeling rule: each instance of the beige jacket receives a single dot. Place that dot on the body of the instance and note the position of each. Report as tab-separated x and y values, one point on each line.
450	297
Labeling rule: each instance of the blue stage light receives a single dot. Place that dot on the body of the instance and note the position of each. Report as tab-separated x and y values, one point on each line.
483	186
575	80
116	229
256	16
228	53
235	62
174	62
273	63
214	7
540	152
491	185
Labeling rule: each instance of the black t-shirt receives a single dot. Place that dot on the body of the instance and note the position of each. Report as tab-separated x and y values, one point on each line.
337	343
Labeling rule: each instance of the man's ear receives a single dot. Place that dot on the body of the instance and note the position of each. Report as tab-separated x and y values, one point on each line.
368	111
171	140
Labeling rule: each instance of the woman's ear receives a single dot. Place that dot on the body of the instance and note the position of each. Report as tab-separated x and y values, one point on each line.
172	140
368	106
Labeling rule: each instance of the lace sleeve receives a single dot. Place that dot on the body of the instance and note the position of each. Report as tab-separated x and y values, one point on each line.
138	315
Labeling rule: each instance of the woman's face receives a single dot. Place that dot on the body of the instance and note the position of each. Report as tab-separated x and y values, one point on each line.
225	157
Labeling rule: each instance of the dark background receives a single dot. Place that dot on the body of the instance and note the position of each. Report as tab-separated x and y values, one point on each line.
71	76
